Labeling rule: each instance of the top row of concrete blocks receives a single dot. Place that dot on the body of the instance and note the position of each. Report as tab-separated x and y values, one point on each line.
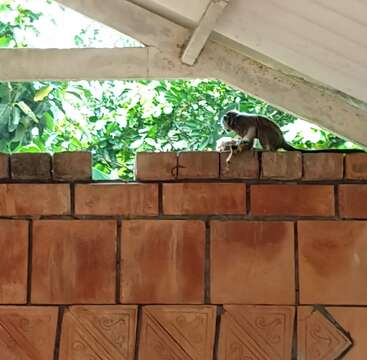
63	166
290	165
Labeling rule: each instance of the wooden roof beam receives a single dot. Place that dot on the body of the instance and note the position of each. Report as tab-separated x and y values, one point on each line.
132	20
91	64
202	32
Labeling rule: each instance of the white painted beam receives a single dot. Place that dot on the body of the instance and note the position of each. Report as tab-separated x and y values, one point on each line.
134	21
73	64
202	32
89	64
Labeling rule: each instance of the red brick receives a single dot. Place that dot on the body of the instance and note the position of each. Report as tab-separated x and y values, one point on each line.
177	332
34	199
156	166
27	333
204	199
252	325
333	262
320	338
292	200
116	199
4	166
30	166
244	165
13	261
198	165
323	166
252	262
281	165
353	201
353	320
73	262
162	262
356	166
72	165
109	332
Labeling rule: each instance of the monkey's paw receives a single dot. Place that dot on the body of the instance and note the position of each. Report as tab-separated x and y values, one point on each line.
225	144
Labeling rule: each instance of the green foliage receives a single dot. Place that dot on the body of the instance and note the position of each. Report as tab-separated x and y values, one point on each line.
115	119
20	19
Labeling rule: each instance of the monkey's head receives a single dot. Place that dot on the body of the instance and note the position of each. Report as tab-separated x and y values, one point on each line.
229	120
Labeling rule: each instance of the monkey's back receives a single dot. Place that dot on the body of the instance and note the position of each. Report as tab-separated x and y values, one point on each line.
269	133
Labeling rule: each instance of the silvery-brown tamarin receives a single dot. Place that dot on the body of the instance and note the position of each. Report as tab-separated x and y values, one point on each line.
251	127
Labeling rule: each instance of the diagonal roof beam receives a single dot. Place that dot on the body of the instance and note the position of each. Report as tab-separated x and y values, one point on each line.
325	107
202	32
134	21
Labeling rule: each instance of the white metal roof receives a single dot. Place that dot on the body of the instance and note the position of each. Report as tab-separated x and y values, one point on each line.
322	39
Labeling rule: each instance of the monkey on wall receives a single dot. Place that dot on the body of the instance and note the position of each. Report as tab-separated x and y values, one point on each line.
250	127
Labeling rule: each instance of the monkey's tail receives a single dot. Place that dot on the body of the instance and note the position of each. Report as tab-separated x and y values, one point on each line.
341	151
288	147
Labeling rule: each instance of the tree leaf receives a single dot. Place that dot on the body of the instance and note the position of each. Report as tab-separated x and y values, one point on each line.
5	113
42	93
99	175
136	144
4	41
14	119
19	134
27	110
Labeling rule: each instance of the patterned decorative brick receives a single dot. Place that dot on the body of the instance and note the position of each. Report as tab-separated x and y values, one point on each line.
34	199
354	321
319	337
198	165
292	200
4	166
116	199
177	332
281	165
244	165
73	262
256	332
356	166
99	332
72	165
252	262
323	166
156	166
162	262
204	199
333	262
353	201
27	333
13	261
30	166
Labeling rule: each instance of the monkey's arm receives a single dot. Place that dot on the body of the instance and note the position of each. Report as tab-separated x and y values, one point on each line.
249	137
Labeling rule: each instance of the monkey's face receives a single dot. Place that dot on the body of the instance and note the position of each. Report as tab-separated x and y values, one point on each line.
228	120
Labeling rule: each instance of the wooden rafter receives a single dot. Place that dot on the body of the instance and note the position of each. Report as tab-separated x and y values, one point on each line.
202	32
134	21
70	64
90	64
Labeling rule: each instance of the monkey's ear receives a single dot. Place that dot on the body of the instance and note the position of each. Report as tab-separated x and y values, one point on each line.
226	110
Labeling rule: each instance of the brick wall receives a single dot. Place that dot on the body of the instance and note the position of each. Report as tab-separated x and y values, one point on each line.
266	259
